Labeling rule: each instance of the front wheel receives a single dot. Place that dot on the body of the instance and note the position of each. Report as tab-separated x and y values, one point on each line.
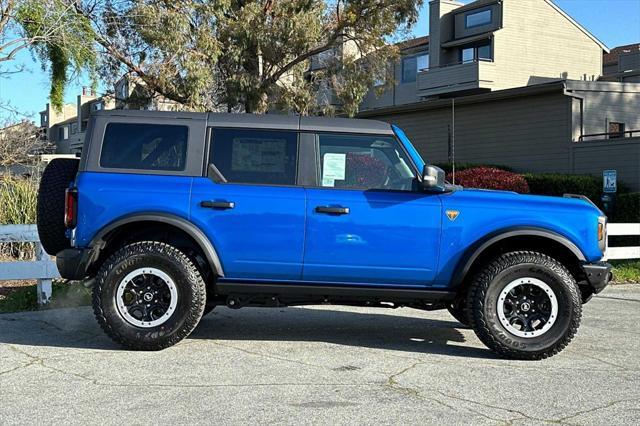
524	305
148	296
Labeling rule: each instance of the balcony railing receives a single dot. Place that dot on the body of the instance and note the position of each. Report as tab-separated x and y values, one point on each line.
477	74
610	135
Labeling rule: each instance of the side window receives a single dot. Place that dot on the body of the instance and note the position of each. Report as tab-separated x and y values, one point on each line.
255	156
144	147
363	162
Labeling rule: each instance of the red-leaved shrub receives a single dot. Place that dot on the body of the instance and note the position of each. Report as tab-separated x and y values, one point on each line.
491	178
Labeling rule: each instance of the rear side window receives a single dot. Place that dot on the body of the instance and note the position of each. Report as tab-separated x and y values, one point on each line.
144	147
255	156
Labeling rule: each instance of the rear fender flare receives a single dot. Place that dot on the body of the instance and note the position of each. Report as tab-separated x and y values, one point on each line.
193	231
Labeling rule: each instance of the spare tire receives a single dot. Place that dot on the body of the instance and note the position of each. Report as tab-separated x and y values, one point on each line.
55	180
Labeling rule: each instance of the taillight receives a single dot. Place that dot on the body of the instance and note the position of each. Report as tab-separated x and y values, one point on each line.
70	207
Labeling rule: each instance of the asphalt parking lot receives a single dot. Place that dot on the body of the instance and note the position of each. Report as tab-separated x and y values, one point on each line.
319	365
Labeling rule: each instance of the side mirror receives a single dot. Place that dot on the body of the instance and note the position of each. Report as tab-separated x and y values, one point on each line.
433	179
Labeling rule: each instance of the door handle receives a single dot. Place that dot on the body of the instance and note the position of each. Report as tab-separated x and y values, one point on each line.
221	205
332	210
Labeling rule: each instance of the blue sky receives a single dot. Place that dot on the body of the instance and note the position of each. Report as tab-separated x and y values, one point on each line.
614	22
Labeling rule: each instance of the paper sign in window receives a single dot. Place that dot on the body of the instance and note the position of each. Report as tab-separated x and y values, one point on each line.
334	166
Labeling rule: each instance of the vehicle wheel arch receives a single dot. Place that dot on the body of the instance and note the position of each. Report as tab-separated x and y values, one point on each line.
127	228
513	239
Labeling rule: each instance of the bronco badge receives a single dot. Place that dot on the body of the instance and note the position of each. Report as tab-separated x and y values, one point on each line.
452	214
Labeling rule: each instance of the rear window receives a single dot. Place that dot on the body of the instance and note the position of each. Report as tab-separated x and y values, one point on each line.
255	156
144	147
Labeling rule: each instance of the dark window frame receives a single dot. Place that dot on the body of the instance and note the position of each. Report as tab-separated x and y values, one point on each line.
414	77
476	48
477	12
185	154
621	130
213	173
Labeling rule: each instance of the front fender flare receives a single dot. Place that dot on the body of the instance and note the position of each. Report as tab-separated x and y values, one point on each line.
472	254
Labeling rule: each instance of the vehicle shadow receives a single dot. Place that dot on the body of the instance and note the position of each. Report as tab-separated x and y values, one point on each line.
76	328
385	330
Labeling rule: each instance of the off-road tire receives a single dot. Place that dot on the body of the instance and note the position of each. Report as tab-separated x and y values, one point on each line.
482	303
50	209
190	286
458	309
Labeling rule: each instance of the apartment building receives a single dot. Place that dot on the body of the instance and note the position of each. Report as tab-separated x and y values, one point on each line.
622	64
491	45
516	83
549	127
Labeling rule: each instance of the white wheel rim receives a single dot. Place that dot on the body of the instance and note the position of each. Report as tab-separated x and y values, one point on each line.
147	321
519	323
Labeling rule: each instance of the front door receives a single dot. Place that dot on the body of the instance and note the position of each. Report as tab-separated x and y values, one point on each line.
366	222
250	207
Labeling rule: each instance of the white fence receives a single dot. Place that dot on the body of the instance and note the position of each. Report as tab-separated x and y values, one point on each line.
44	269
623	229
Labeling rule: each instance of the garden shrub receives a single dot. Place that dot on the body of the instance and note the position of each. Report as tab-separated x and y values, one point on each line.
491	178
627	208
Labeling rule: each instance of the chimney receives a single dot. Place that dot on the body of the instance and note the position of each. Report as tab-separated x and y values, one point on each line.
440	30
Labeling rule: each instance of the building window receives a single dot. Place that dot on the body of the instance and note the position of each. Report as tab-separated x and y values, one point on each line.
412	65
409	69
477	19
97	106
74	128
616	130
63	133
380	78
423	62
123	91
481	52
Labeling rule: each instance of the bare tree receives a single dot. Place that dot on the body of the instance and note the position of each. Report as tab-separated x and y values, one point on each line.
20	143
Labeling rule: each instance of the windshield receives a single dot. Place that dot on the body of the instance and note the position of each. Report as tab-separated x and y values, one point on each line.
415	156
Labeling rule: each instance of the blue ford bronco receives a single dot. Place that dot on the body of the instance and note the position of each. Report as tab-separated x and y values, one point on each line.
169	215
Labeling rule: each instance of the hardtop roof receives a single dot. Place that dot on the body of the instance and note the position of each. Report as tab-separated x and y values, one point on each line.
263	121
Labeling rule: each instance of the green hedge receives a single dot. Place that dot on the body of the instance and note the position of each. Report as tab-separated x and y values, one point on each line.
559	184
628	208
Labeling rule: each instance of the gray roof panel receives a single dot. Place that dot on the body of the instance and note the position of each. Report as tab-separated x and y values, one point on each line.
150	114
259	121
263	121
344	125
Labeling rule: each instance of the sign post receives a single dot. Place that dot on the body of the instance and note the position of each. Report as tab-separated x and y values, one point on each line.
609	189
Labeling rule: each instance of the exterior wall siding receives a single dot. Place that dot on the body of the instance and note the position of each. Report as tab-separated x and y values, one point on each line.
603	107
621	155
537	40
526	134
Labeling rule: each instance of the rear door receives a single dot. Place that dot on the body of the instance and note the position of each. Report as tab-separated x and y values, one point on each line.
366	221
249	204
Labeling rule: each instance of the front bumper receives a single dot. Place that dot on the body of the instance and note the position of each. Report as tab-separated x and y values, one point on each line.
74	263
598	275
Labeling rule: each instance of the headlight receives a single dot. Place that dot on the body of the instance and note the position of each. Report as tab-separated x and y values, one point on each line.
602	233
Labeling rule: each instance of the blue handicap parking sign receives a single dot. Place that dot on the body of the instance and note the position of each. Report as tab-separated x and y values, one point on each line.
610	181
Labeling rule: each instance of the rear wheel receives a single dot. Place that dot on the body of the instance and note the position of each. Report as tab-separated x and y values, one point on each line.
148	296
56	178
525	305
